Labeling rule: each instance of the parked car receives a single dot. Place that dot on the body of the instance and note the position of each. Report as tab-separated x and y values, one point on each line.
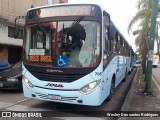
138	63
155	61
4	65
12	77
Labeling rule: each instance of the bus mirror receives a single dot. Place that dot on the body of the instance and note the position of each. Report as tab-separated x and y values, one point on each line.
111	32
16	31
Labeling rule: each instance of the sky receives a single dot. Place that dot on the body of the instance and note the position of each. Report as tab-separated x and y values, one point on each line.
121	12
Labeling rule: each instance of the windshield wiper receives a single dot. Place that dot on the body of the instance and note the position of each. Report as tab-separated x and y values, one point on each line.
77	21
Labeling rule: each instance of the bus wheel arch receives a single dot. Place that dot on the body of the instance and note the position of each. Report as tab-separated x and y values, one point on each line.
112	87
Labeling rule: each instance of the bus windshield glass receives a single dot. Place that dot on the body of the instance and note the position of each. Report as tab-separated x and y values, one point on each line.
63	43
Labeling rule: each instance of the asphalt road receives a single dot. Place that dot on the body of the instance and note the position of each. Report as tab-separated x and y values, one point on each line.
15	101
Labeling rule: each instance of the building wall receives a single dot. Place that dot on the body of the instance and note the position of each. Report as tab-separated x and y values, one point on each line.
9	10
59	1
63	1
6	45
4	52
4	39
55	1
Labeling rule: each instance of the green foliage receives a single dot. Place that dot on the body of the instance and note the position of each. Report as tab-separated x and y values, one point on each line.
143	18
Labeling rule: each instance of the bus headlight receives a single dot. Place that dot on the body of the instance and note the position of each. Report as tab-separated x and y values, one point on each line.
27	83
90	86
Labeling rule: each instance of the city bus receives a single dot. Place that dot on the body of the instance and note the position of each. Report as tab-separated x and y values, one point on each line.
73	53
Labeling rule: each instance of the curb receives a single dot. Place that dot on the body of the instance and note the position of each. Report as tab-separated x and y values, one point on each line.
156	83
129	96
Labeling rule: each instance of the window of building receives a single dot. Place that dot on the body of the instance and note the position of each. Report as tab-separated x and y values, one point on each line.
1	48
11	32
63	1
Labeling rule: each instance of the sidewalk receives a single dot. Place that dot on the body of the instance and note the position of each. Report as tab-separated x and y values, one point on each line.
137	102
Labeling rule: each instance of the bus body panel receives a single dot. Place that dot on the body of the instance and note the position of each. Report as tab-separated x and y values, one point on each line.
71	97
108	73
103	90
71	85
113	69
123	67
69	89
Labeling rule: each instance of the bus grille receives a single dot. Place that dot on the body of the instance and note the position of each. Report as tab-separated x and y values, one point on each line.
63	98
56	78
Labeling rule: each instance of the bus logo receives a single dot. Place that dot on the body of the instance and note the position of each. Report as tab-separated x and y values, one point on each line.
51	70
54	85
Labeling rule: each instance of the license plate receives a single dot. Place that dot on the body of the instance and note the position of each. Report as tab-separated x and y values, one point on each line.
1	84
54	97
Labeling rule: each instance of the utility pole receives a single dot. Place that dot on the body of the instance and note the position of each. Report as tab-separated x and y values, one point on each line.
154	12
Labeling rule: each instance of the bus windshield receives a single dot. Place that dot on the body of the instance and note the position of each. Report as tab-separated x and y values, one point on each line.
63	43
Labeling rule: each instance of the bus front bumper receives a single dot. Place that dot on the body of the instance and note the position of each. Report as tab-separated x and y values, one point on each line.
91	98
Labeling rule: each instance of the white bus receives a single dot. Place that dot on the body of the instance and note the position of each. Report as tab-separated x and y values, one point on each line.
73	54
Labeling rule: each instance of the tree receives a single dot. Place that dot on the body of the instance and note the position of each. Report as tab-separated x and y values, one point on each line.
143	17
157	37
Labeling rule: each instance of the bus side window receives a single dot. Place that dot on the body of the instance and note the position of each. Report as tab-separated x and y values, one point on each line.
106	43
122	49
111	45
118	42
111	41
115	44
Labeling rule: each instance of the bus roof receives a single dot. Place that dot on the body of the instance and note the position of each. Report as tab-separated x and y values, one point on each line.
64	4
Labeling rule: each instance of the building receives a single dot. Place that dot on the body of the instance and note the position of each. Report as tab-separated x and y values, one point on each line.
59	1
10	48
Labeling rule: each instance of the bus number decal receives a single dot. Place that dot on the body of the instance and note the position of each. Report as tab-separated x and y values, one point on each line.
46	59
36	58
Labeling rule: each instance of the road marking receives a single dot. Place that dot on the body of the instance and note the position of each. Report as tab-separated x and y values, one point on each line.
3	104
7	105
15	107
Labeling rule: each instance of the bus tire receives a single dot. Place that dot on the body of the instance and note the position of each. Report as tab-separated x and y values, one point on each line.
111	89
130	71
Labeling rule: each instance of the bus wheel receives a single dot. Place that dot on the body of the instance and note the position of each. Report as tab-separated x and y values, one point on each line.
130	71
111	89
